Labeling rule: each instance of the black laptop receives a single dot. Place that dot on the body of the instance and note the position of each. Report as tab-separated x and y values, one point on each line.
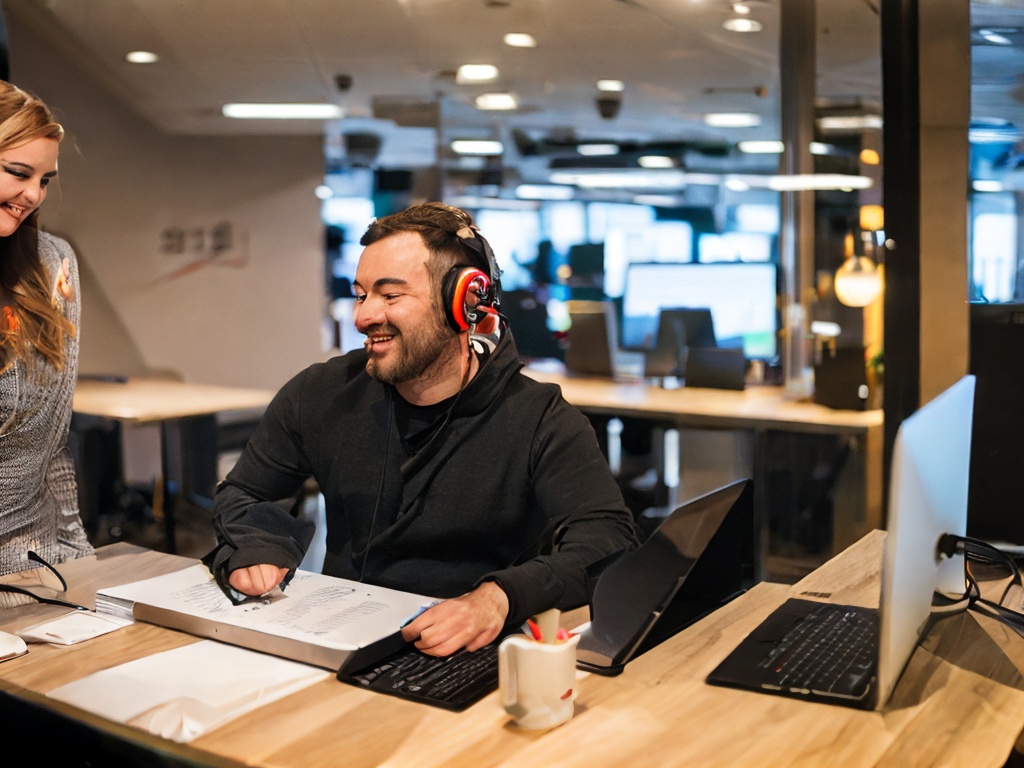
697	560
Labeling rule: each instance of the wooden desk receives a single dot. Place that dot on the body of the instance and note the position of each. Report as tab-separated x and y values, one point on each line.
658	712
169	403
751	414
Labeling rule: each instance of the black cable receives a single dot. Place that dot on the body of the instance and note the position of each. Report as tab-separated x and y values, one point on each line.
981	552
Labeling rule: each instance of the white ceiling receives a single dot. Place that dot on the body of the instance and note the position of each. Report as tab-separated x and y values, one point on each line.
675	58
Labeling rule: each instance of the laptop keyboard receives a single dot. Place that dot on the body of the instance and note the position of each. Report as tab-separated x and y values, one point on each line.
453	682
830	651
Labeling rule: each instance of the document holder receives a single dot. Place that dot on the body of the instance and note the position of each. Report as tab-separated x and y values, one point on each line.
698	559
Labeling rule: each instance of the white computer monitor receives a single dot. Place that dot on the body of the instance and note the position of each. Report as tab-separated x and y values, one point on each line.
742	297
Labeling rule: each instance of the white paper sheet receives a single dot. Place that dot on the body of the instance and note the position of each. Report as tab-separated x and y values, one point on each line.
314	608
71	628
184	693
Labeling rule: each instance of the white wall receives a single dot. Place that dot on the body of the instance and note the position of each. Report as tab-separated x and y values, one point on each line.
123	182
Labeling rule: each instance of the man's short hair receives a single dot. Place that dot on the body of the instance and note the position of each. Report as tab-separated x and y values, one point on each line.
438	224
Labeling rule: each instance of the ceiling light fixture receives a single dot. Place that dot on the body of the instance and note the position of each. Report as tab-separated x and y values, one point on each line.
741	24
476	73
804	181
597	150
477	147
520	40
732	120
857	282
656	161
544	192
282	111
849	123
141	57
765	147
645	179
496	101
988	185
611	86
995	36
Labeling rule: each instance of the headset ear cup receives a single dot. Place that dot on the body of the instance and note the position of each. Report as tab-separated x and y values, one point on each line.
463	290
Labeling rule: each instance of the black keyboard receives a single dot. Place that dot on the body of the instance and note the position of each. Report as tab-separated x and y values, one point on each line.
453	682
830	651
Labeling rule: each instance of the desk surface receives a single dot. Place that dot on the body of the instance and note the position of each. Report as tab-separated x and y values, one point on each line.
149	400
756	407
659	712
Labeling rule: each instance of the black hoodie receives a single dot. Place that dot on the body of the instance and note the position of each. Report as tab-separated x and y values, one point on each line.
512	488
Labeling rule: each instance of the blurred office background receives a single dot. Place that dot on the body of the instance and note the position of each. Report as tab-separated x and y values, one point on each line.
645	140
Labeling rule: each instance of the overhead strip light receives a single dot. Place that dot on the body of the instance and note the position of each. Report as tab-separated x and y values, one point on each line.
477	147
141	57
476	73
282	111
520	40
732	119
496	101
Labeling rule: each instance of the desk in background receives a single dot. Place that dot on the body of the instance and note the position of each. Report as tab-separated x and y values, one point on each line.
728	434
658	712
178	408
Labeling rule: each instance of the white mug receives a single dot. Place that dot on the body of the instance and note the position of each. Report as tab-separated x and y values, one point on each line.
537	680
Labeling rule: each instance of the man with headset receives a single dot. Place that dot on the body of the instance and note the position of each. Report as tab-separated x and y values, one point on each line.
445	471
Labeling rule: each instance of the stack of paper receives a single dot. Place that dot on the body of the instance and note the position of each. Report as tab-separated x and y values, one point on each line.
319	619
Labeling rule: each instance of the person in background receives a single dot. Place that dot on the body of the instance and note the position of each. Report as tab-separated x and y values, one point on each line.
39	318
444	469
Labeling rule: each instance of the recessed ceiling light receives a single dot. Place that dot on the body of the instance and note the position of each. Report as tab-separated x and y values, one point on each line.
477	147
742	24
732	119
849	122
656	161
663	201
996	37
141	57
496	101
282	111
476	73
520	40
611	86
761	147
987	185
597	150
802	181
544	192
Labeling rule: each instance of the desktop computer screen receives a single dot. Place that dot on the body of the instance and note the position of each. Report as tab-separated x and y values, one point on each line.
742	297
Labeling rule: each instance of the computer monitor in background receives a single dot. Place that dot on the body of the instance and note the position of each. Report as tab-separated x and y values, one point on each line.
742	298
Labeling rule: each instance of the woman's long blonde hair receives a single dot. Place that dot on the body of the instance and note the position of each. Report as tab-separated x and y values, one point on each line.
33	322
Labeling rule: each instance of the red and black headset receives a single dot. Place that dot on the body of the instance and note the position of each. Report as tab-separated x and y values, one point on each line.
468	294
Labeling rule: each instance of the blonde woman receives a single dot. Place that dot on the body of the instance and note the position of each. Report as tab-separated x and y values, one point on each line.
39	316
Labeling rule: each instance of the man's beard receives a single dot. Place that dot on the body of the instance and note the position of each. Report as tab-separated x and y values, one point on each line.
417	353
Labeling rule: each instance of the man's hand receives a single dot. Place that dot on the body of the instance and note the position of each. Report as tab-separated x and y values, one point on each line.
257	580
470	622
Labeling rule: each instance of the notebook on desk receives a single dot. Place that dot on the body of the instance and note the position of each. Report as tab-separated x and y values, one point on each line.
865	650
